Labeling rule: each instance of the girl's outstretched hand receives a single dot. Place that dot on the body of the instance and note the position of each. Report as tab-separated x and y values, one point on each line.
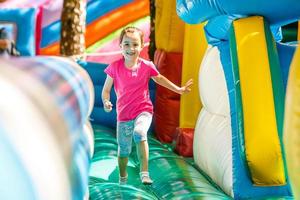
107	105
187	87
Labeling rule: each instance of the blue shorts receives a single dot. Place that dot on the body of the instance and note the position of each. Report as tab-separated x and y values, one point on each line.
136	128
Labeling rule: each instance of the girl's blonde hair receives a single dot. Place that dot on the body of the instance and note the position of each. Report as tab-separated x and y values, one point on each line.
132	29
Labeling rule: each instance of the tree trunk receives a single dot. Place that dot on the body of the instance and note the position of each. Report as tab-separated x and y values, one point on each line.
72	42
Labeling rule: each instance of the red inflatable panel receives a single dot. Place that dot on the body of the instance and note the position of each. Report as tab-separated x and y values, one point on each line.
167	103
184	141
166	118
168	64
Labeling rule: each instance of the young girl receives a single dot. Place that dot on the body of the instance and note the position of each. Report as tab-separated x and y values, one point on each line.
130	76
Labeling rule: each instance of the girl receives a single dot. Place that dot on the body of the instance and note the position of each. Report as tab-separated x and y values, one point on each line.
130	76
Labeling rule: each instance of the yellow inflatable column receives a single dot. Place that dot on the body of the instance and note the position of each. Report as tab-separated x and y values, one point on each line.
193	50
262	101
169	29
292	125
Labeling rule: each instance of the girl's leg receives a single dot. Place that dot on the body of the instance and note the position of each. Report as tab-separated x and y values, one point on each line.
143	155
141	126
124	139
122	161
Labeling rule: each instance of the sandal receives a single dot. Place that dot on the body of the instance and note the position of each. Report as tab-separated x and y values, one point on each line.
123	180
145	178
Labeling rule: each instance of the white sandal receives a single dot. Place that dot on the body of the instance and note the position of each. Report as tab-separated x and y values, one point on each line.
123	180
145	178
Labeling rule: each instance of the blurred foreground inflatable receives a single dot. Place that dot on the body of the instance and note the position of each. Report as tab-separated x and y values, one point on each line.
46	139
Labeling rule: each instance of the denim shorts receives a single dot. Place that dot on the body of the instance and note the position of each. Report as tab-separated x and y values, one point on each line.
136	128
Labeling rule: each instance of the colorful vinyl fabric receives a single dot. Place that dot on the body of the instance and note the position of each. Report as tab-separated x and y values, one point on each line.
25	3
46	102
114	15
199	11
212	147
219	120
166	118
194	48
169	29
43	16
259	79
169	34
24	20
52	26
217	139
190	104
264	126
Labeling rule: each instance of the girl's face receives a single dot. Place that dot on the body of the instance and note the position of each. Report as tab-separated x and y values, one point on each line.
131	46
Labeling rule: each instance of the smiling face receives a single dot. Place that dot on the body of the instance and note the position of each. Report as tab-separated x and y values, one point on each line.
131	44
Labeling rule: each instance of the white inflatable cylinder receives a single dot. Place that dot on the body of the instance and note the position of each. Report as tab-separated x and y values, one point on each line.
212	139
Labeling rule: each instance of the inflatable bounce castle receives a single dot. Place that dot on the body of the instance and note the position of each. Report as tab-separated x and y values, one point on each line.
235	136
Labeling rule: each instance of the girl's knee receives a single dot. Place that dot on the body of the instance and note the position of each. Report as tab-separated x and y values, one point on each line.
139	134
139	137
139	130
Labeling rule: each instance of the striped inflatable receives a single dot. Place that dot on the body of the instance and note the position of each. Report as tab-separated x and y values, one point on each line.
45	104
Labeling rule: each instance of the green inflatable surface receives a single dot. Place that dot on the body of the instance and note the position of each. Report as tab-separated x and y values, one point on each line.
174	177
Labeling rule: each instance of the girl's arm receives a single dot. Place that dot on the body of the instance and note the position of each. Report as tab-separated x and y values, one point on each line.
107	105
163	81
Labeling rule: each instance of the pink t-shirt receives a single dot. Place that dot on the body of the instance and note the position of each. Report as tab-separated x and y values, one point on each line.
131	87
